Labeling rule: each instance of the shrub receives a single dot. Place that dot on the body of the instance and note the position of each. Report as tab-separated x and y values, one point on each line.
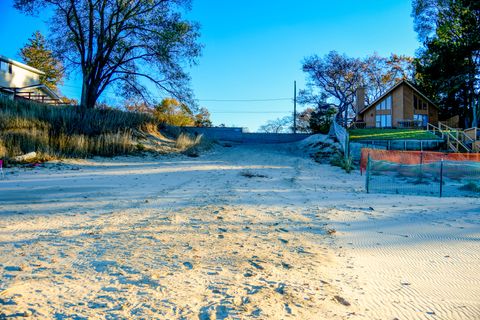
185	141
321	119
345	163
471	186
250	174
191	146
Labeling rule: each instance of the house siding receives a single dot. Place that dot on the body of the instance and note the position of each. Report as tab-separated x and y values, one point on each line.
14	74
397	105
370	118
408	102
18	78
432	115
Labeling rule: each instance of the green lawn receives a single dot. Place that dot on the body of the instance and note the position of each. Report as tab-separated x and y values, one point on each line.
391	134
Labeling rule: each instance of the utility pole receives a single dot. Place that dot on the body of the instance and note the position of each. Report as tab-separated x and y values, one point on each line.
294	106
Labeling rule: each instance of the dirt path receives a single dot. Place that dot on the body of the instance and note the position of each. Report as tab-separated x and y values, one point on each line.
241	232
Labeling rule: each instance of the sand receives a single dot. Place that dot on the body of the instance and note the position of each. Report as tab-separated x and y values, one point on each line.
247	232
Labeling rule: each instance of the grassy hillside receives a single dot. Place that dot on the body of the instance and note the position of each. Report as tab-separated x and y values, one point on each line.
66	131
391	134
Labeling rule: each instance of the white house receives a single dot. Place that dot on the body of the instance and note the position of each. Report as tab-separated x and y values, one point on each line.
20	81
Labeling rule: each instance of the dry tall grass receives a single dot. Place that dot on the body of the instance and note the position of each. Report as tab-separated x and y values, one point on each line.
190	145
185	141
67	131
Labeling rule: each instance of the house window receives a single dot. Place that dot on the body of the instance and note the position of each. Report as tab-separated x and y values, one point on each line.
421	117
5	67
383	120
419	104
385	104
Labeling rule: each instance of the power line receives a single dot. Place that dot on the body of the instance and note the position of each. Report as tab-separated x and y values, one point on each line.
250	112
215	100
242	100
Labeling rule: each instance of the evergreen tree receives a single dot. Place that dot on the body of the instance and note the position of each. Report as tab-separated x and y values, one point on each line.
36	54
448	67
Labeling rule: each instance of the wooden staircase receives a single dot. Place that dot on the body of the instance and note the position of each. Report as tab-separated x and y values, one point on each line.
457	140
474	134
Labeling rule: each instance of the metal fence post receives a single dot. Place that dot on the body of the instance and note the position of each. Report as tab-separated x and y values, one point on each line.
421	165
441	178
347	147
367	182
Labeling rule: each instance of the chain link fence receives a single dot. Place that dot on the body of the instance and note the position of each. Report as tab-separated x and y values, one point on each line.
440	178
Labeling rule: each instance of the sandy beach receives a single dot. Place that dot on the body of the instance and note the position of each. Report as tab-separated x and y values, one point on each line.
241	232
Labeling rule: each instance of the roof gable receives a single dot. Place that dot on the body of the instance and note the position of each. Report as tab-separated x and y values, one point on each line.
397	85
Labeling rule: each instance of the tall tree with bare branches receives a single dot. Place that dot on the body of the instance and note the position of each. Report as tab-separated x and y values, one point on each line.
334	79
334	76
128	44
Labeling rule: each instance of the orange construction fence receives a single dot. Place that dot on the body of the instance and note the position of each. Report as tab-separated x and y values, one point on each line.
413	157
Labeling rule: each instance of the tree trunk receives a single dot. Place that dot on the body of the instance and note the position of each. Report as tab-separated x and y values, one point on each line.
89	96
83	101
475	105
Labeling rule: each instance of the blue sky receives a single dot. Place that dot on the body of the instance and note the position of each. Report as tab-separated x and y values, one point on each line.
254	49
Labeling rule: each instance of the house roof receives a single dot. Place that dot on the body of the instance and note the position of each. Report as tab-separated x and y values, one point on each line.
398	84
41	87
21	65
49	92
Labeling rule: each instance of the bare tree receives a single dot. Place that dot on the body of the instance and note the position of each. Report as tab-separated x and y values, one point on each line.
279	125
130	44
380	73
336	76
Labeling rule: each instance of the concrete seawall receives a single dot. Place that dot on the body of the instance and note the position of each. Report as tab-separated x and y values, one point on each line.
237	135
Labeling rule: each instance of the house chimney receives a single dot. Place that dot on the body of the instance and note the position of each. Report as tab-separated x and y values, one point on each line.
360	99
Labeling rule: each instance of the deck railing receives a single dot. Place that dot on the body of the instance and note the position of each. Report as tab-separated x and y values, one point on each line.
359	125
456	139
410	123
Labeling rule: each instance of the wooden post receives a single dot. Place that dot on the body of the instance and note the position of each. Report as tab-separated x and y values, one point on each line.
367	180
347	147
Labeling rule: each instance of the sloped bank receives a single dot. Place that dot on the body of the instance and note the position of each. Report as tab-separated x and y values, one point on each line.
52	132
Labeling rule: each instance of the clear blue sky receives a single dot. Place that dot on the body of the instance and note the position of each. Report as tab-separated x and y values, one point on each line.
253	49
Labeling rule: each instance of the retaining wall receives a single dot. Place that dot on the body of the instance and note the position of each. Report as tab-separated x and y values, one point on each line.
273	137
221	134
414	145
237	135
